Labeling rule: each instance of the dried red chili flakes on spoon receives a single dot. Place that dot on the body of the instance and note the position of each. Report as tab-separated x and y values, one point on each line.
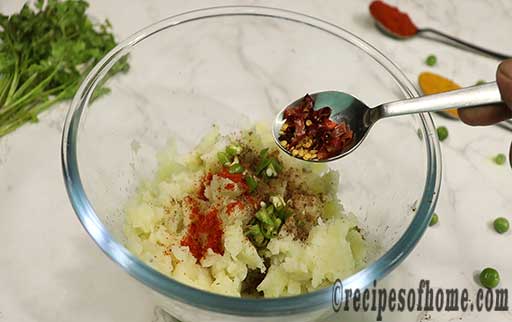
310	134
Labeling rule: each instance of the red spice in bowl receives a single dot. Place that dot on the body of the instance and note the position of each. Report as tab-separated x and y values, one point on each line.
312	135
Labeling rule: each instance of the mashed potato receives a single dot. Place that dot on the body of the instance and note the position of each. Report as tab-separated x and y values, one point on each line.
236	217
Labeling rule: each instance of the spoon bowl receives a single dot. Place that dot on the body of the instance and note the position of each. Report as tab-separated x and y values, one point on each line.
344	108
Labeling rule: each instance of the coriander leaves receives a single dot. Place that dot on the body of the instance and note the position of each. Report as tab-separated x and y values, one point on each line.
44	54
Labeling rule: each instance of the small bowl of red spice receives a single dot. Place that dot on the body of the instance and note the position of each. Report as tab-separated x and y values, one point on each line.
235	66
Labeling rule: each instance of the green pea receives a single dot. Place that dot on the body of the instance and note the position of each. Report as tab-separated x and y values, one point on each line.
236	168
501	225
223	158
434	220
500	159
233	150
431	60
442	133
489	277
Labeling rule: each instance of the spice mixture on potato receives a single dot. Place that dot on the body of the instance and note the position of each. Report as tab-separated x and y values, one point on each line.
238	217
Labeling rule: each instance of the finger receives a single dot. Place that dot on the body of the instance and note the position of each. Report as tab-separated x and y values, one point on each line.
485	115
504	79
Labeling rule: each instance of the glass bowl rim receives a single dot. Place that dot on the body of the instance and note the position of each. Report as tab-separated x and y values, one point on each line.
215	302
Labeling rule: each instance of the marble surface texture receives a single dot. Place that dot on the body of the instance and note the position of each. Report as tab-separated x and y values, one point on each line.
51	271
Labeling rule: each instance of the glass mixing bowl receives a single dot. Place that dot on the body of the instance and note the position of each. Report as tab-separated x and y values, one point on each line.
233	66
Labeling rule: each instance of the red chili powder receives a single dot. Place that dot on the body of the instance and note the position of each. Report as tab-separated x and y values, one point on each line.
204	232
229	186
235	177
232	205
393	19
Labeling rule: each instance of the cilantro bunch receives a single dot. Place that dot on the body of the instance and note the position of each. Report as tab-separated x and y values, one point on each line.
45	52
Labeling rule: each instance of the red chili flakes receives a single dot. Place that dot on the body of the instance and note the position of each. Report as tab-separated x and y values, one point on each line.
205	181
204	232
232	205
310	134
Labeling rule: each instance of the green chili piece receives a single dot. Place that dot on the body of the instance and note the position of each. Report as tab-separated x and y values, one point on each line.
251	183
262	165
270	171
263	216
283	213
233	150
276	164
236	168
254	232
223	158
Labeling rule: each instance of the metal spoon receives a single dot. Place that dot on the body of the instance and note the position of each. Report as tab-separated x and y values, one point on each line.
360	118
452	40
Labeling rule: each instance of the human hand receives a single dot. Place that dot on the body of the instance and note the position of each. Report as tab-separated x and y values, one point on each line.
487	115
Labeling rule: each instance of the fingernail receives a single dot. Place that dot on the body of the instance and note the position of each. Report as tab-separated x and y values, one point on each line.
505	69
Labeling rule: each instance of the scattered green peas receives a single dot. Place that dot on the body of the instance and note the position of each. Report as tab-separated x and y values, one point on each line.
489	277
434	220
431	60
501	225
442	133
236	168
500	159
480	82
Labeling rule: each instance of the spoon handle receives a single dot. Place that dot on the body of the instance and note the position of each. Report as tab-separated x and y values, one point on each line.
466	97
466	44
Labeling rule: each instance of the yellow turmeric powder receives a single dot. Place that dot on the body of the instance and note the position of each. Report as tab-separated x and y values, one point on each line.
431	83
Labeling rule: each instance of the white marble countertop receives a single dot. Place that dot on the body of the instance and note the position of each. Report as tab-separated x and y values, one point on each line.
51	271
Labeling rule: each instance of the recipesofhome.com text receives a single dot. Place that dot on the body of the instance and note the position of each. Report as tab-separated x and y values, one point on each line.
422	298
